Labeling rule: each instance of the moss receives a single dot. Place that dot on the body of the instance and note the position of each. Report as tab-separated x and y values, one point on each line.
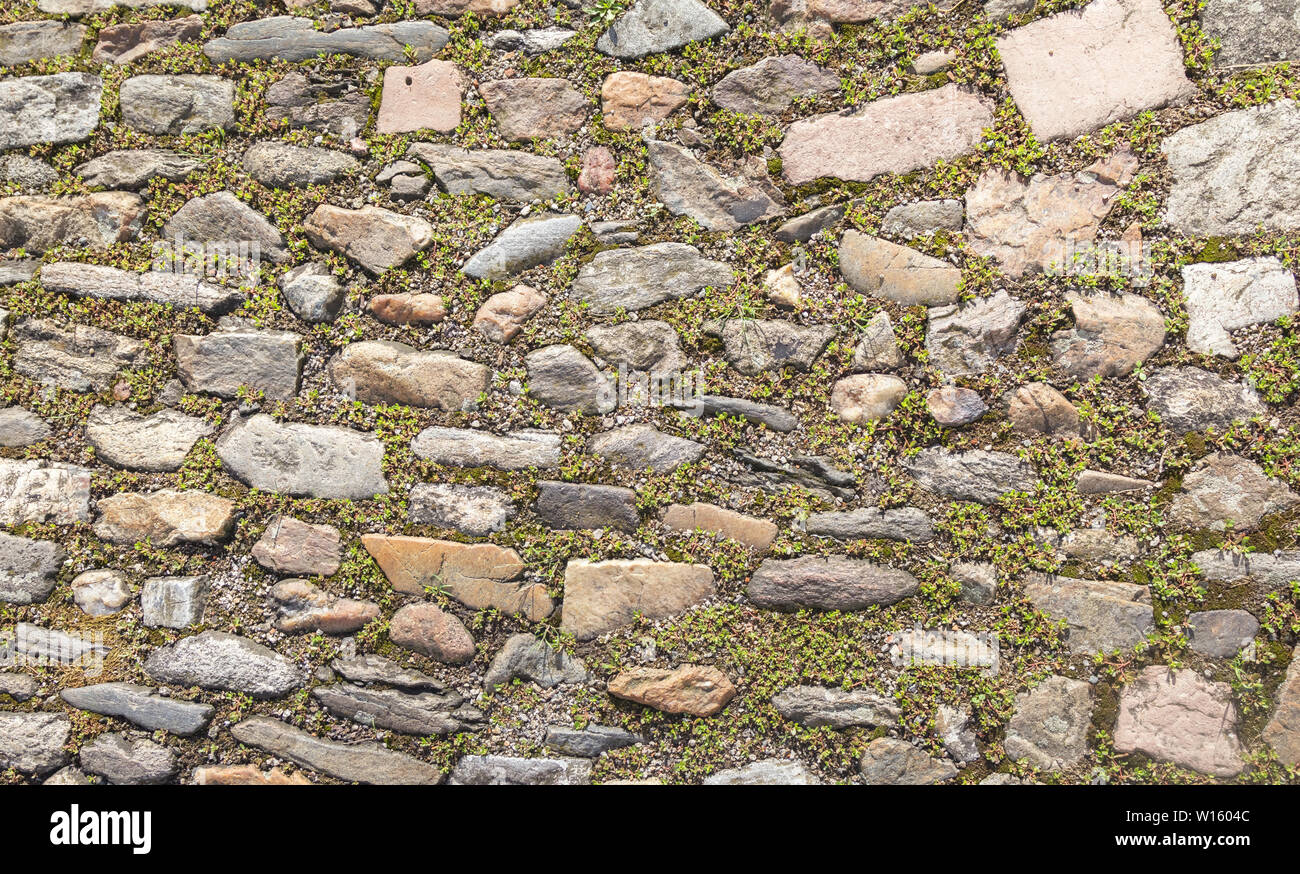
1218	249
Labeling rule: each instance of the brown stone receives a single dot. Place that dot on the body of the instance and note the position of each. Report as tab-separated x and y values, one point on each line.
1111	335
749	530
290	546
630	100
246	775
429	631
601	596
454	8
305	608
535	108
165	518
1227	488
408	309
898	273
1037	408
424	97
503	315
1180	717
385	372
598	171
696	690
37	223
124	43
375	238
1283	730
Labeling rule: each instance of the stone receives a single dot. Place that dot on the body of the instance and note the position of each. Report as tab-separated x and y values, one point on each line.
370	668
1235	172
775	418
173	602
753	532
599	171
782	288
1282	732
127	762
312	293
77	8
629	100
304	608
1191	399
815	474
769	772
220	218
1097	482
1037	408
367	762
1098	545
478	575
51	646
866	397
1101	616
317	461
773	84
176	105
1237	294
528	242
896	134
508	771
535	661
387	372
641	447
504	314
39	491
817	706
689	187
929	63
1111	335
602	596
462	447
19	687
1271	570
978	581
130	41
1003	10
227	662
912	220
1041	223
95	221
652	26
803	228
173	288
943	647
899	523
1077	71
1180	717
236	356
157	443
408	309
892	762
953	726
884	269
424	97
419	713
528	108
953	407
165	518
695	690
648	345
132	169
827	582
570	506
26	41
281	165
1261	33
289	546
975	475
1228	489
30	175
101	592
141	706
294	39
1049	727
633	279
27	569
531	42
969	338
79	358
1221	634
62	108
473	510
245	775
878	349
429	631
563	378
375	238
754	346
589	742
454	8
330	103
506	174
32	743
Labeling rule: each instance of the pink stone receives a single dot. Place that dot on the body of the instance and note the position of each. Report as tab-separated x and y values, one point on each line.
598	169
426	97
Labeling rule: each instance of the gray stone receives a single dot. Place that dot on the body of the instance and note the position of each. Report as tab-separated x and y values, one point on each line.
132	169
527	107
304	460
889	761
19	687
372	668
1271	570
173	288
633	279
39	491
769	772
165	518
77	8
1237	294
1100	616
160	442
803	228
1228	489
1191	399
281	165
531	42
1049	727
817	706
290	546
79	358
910	220
659	26
878	349
644	345
507	771
420	713
63	108
754	346
898	273
1221	633
217	660
1098	482
221	218
367	762
30	175
527	243
127	762
899	523
968	339
25	41
580	506
1099	545
312	293
589	742
773	417
330	103
234	355
142	706
173	602
101	592
773	84
19	427
827	582
132	40
474	510
96	221
953	407
689	187
463	447
506	174
563	378
32	743
1282	732
532	659
978	580
639	447
175	105
293	39
976	475
953	726
1037	408
57	647
1263	32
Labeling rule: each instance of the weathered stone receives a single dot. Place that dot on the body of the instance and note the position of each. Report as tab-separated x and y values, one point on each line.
375	238
696	690
1258	33
866	397
534	660
943	647
281	165
236	356
529	108
899	523
304	460
159	442
101	592
1282	732
884	269
217	660
132	40
769	772
580	506
878	349
531	42
754	346
420	713
968	339
1221	633
633	279
602	596
508	771
479	575
408	309
631	100
128	762
893	762
132	169
597	176
293	39
30	175
527	243
689	187
63	108
387	372
39	491
77	8
19	687
1111	335
1096	482
816	474
142	706
1050	724
891	135
1224	297
782	288
290	546
32	743
1076	71
976	475
827	582
749	530
79	358
504	174
953	407
773	84
245	775
817	706
426	97
589	742
1228	489
562	377
1100	616
305	608
429	631
911	220
639	447
1037	408
659	26
27	569
953	726
643	345
503	315
770	416
1099	545
474	510
176	105
367	762
978	581
96	221
331	103
463	447
1191	399
1180	717
312	293
803	228
165	518
25	41
52	646
173	602
182	290
1271	570
372	668
221	217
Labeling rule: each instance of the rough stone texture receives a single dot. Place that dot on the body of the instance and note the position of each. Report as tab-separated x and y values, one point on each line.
462	447
1180	717
173	602
578	506
234	355
769	772
978	581
601	596
63	108
36	491
1227	489
165	518
527	243
658	26
1282	732
385	372
976	475
290	546
1256	33
753	346
25	41
305	460
589	742
474	510
909	220
1191	399
827	582
968	338
222	218
132	169
900	523
101	592
27	568
158	442
867	397
893	762
638	447
506	175
690	187
408	309
527	109
332	104
304	608
1271	570
109	283
175	105
142	706
128	762
367	762
279	165
1037	408
953	407
426	97
375	238
563	378
1221	633
697	690
1224	297
533	660
749	530
1049	727
97	221
507	771
633	279
130	41
421	713
647	345
431	632
817	706
773	84
1111	335
290	38
1101	617
898	273
631	100
217	660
